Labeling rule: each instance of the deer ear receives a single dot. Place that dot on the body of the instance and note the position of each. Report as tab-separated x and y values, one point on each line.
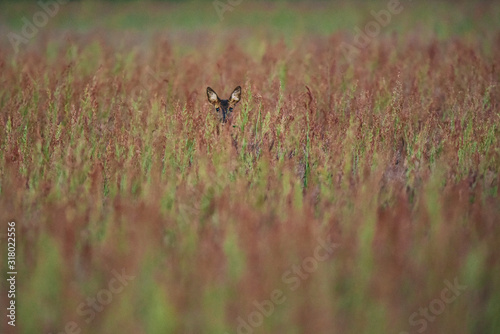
212	96
235	95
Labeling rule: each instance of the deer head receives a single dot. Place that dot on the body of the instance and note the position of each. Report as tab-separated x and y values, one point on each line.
224	108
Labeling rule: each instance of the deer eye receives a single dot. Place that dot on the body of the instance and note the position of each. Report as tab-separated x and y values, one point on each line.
231	109
218	109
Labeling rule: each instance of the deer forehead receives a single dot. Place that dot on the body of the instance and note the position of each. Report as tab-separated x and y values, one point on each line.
224	103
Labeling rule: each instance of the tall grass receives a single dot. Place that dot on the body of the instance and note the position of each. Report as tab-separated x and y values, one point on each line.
393	156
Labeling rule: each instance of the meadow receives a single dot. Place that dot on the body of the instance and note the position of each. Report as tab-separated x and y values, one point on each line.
352	192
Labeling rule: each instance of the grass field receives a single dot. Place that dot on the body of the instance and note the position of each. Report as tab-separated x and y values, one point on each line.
353	191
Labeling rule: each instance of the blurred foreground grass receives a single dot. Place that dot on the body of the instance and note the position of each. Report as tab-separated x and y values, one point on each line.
346	197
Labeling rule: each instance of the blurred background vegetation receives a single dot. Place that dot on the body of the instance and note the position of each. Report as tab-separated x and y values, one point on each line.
110	158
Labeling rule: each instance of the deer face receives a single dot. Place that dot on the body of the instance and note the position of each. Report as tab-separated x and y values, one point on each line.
224	108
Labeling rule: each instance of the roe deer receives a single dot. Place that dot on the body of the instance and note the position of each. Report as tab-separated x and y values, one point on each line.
224	108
